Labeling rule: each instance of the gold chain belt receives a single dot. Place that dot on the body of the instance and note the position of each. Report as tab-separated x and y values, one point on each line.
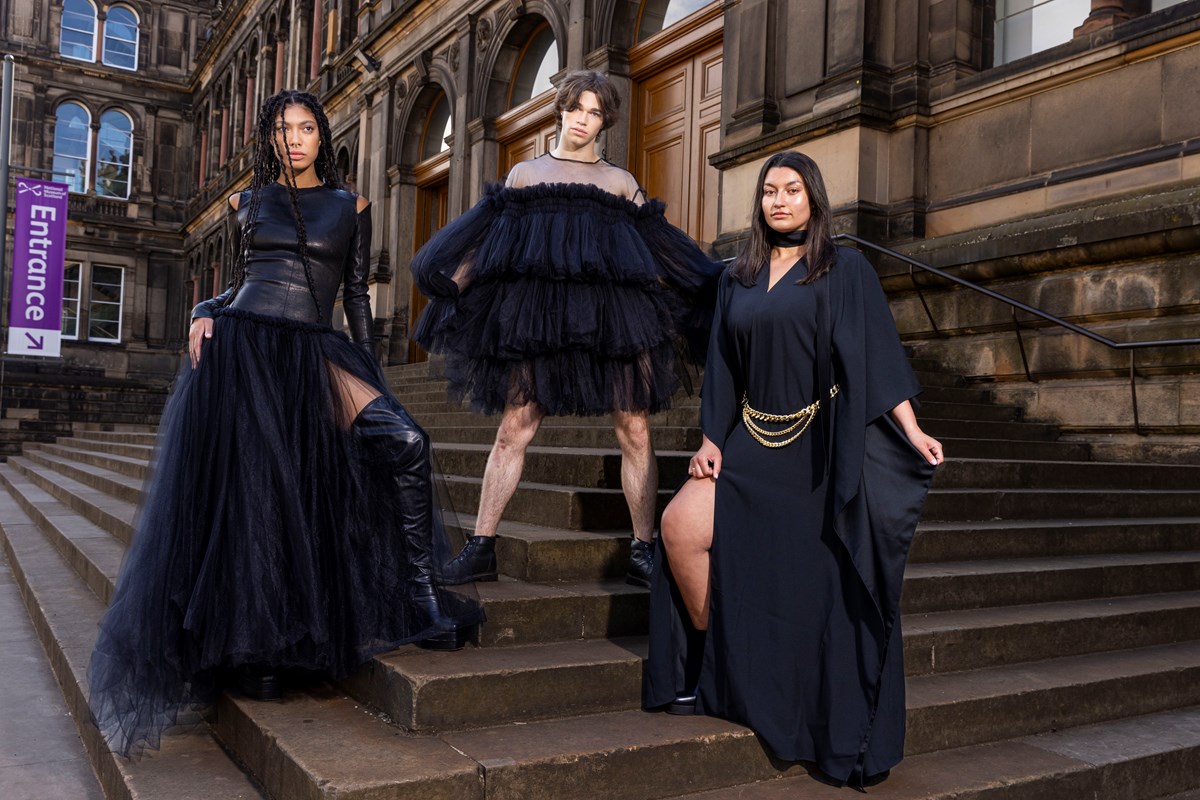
799	419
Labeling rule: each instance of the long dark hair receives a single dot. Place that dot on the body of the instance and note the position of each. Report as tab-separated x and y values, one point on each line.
821	253
267	169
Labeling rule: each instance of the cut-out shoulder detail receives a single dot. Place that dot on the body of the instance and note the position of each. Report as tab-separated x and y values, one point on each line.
235	199
361	203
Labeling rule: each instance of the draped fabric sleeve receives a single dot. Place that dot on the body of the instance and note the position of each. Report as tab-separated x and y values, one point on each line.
685	269
880	480
719	396
356	298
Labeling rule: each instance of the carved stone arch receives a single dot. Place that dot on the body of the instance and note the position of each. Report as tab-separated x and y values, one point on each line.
500	61
615	23
71	97
345	157
413	117
136	115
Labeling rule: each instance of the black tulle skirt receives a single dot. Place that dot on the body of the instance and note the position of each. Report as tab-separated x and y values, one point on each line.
264	538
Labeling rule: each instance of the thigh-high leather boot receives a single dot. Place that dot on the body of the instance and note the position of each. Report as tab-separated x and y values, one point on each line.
398	451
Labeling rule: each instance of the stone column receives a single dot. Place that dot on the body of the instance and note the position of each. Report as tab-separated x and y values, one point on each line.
748	80
1105	14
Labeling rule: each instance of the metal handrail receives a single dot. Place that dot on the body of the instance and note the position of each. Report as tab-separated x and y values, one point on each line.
1017	305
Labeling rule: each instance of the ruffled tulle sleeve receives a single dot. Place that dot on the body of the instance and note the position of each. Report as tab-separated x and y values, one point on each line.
452	248
687	271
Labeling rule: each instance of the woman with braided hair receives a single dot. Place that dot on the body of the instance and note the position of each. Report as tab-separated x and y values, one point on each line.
290	521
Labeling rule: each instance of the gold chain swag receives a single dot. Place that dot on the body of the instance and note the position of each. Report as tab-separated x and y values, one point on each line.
800	419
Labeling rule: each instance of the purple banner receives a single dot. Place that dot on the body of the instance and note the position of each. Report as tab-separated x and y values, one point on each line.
39	246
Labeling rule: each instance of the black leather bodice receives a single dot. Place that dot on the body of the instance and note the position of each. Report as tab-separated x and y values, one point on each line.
339	246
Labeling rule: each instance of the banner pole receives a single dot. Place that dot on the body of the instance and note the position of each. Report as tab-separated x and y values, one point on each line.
6	103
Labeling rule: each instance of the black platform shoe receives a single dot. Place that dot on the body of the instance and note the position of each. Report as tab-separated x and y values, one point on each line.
259	683
475	562
682	706
641	563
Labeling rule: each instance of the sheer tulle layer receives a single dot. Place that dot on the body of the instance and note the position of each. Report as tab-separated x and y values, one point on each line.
573	298
264	537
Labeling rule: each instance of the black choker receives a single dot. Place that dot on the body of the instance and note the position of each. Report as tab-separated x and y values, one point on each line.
794	238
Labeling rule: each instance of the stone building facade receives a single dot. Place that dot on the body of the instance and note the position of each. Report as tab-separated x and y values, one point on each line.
102	101
1048	150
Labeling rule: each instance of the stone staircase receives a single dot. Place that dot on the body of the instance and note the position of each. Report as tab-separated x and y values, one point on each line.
1052	631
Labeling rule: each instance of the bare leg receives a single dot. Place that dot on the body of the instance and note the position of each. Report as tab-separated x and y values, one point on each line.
639	470
687	533
353	393
505	464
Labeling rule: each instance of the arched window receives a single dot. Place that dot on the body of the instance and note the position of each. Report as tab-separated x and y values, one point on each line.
114	155
538	62
438	127
72	143
657	15
121	38
77	36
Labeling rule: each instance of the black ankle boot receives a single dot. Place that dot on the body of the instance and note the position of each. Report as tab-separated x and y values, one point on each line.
641	563
397	446
475	562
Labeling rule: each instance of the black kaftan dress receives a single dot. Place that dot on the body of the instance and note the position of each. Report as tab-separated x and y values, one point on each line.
808	553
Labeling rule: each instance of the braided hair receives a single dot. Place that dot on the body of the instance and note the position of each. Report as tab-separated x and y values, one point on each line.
267	169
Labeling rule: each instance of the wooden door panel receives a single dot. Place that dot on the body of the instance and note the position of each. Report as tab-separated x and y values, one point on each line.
666	176
666	97
676	127
433	204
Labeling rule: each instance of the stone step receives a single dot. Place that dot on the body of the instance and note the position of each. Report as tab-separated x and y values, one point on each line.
539	554
190	765
90	550
82	441
950	586
114	484
986	429
143	436
552	505
972	447
957	473
954	641
429	692
975	504
1138	758
1009	539
532	613
111	514
137	467
1001	702
319	744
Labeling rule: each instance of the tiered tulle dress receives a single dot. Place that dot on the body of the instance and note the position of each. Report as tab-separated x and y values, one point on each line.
268	536
573	297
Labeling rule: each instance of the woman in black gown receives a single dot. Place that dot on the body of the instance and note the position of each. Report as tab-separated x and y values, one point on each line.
290	520
786	548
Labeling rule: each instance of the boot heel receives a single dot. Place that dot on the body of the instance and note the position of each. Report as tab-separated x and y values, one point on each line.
447	641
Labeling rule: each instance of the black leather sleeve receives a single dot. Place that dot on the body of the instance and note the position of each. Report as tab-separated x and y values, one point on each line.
233	235
356	300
